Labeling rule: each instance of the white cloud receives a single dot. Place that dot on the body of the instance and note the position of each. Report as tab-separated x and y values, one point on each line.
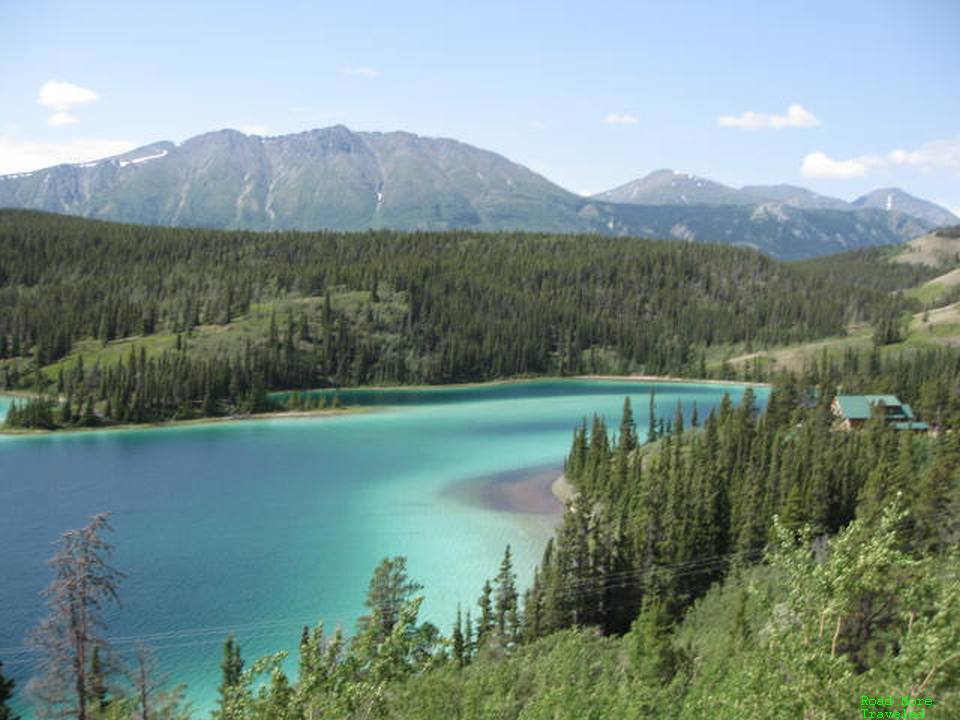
62	96
254	129
929	157
62	118
621	119
821	165
538	125
18	155
364	72
797	117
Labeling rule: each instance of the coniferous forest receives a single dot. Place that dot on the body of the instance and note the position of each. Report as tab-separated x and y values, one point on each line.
745	563
131	324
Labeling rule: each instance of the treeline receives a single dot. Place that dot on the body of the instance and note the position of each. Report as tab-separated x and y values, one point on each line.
868	268
379	307
171	386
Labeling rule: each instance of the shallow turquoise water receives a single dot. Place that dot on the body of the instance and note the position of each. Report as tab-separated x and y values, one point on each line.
262	526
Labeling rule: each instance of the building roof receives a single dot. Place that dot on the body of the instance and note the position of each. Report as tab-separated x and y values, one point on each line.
915	425
858	407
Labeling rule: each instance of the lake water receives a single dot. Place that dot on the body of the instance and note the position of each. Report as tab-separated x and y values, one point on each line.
258	527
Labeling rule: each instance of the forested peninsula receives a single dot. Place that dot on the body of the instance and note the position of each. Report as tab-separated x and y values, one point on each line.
111	324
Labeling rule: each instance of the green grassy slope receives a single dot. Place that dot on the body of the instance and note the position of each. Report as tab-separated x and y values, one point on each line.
925	272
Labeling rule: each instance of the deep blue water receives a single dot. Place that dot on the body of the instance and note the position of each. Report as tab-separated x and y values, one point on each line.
261	526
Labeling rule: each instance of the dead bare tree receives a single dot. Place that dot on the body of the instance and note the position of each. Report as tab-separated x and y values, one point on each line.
84	582
145	681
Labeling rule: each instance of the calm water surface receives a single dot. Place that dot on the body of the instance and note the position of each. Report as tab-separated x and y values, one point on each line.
261	526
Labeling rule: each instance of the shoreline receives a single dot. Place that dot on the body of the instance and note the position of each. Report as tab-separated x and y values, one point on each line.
637	377
195	422
671	379
294	414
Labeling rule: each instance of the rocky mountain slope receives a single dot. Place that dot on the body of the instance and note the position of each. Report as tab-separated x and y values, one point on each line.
339	179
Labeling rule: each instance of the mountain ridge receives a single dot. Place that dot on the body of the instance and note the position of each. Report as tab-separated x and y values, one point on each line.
670	187
339	179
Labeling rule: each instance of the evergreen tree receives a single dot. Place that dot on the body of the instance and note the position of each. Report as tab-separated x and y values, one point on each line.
458	643
389	590
487	620
98	684
506	600
654	657
627	437
935	527
229	706
6	694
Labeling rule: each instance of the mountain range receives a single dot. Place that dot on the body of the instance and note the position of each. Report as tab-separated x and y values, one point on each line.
339	179
667	187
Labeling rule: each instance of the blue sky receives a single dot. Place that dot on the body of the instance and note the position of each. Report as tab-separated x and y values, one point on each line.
589	94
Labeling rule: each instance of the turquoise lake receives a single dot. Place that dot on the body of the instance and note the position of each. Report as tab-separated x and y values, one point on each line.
261	526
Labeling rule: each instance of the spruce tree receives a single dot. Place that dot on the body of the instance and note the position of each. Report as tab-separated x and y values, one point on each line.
457	642
934	526
389	591
231	681
98	683
6	695
505	601
654	658
627	438
487	620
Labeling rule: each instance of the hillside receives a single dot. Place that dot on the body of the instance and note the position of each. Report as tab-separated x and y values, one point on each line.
338	179
159	323
938	249
924	274
779	230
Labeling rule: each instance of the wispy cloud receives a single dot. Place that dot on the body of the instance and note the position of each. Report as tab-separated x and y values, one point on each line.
538	125
18	155
797	116
929	157
62	96
621	119
934	155
59	119
363	72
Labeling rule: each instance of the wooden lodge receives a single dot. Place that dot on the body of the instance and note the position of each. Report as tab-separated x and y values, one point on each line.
853	411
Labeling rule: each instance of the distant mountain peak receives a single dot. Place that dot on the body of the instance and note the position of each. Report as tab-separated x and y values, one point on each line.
893	199
671	187
339	179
